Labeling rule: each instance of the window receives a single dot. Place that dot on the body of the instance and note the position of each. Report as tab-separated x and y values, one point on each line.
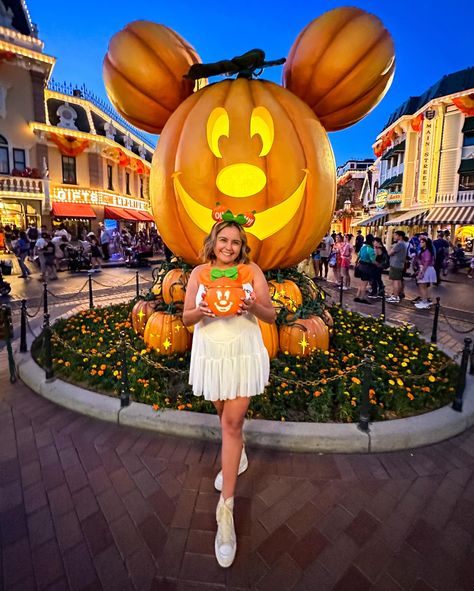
127	183
466	182
141	187
4	160
19	159
110	180
468	140
69	170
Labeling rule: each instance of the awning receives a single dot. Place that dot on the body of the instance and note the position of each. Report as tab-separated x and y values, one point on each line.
141	216
398	148
72	210
466	166
462	215
414	217
468	126
119	213
375	220
391	182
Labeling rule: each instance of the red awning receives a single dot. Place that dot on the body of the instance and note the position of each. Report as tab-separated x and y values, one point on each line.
143	216
72	210
119	213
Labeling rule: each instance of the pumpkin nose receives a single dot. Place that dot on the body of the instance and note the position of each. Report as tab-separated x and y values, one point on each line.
241	180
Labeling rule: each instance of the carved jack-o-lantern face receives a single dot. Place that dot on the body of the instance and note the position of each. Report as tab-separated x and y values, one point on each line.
224	300
249	145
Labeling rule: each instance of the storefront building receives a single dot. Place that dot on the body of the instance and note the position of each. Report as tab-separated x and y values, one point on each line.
425	161
65	155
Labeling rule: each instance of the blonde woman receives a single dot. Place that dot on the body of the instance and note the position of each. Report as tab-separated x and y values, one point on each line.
229	362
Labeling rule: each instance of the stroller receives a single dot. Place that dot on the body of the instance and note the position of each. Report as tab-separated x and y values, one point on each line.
77	259
5	287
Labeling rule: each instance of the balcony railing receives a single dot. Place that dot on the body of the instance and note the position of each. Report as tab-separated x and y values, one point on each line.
18	184
466	197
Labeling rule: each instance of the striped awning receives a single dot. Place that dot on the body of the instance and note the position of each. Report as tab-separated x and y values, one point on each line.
375	220
462	215
414	217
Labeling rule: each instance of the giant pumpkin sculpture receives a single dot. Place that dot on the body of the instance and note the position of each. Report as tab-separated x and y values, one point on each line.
256	148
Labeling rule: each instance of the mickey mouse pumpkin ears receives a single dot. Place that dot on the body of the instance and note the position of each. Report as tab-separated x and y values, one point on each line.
222	214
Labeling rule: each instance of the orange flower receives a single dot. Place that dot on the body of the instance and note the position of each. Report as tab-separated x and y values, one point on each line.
355	380
316	393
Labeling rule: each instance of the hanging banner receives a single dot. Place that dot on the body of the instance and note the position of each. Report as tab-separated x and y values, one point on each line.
68	145
465	104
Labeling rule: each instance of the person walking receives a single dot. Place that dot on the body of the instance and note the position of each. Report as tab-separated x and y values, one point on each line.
21	250
335	258
364	269
105	242
441	248
359	241
426	272
32	235
382	261
325	250
346	256
229	362
398	255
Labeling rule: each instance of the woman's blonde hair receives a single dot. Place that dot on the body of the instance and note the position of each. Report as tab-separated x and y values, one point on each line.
207	252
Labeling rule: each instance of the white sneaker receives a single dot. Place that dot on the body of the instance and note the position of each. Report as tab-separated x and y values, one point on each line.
423	305
243	465
225	544
393	299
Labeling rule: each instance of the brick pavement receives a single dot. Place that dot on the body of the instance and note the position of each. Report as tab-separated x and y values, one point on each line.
88	505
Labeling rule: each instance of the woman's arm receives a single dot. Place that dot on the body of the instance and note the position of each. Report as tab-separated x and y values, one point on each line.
192	314
259	303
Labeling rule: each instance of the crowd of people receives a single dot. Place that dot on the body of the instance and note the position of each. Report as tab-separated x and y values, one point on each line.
52	250
419	257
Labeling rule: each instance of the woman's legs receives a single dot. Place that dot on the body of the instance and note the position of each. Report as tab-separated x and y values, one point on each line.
232	421
346	277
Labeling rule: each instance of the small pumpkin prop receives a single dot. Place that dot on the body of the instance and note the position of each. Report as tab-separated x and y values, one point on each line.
270	337
226	288
285	293
143	73
304	336
342	65
327	318
225	299
166	334
173	286
141	312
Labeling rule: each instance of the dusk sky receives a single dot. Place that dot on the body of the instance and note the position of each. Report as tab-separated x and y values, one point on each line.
432	38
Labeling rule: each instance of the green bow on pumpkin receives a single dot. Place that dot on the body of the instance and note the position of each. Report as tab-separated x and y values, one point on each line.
230	273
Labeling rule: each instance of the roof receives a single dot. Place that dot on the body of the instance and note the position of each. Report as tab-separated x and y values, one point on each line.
21	18
448	84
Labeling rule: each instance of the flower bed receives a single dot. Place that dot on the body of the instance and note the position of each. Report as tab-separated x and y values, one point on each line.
408	376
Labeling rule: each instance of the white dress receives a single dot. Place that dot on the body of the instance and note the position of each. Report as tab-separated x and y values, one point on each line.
228	357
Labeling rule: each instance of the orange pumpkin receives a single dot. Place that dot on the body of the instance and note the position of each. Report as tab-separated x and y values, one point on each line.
173	287
327	318
304	336
167	334
270	337
224	299
141	311
251	146
143	73
285	294
341	64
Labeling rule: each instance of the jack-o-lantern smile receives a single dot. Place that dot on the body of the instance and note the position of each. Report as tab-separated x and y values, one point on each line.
223	304
241	179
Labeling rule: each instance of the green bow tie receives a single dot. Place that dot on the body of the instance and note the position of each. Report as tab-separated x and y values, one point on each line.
231	273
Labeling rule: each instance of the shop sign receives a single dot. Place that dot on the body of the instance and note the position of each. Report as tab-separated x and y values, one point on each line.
425	161
381	199
66	194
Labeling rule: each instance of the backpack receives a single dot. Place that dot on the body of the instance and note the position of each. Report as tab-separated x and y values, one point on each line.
385	260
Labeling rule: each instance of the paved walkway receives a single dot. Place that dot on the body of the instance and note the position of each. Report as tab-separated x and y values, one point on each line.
88	505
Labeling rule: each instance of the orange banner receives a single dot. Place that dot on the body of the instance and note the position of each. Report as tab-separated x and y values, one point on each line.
465	104
68	145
